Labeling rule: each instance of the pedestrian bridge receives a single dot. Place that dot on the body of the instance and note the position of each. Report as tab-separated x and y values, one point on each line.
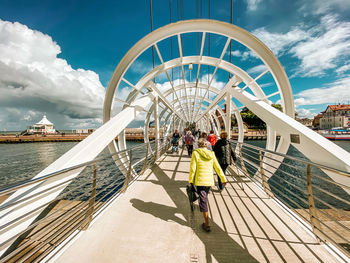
152	222
130	204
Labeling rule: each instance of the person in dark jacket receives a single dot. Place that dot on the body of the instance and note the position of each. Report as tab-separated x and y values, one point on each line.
175	141
224	153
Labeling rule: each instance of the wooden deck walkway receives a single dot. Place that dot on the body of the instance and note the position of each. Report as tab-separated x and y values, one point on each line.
152	222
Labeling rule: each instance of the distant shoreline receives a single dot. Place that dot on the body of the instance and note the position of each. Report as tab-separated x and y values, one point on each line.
72	137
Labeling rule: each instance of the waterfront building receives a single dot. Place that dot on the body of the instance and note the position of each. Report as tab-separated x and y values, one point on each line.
83	131
42	127
335	116
316	121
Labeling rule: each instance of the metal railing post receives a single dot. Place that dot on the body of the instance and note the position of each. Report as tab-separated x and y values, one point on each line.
144	167
90	209
315	223
156	150
242	161
263	176
128	175
154	157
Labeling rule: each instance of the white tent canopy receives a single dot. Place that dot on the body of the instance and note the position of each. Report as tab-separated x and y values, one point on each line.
44	121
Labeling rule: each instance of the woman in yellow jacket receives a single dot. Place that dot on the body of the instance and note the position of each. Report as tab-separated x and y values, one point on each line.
201	174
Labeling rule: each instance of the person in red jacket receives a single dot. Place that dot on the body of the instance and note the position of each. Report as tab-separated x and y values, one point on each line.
212	138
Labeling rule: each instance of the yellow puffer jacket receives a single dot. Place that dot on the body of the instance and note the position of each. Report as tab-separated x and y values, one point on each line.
201	170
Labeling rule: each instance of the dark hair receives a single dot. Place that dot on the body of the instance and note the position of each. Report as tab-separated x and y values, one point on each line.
223	135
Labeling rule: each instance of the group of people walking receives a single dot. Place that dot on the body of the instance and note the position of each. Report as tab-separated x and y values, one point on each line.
210	153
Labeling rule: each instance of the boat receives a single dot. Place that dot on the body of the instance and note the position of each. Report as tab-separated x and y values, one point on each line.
338	134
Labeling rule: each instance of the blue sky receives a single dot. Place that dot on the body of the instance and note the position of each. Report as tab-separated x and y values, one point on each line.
56	57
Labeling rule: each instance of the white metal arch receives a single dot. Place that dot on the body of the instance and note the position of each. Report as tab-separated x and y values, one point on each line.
217	27
231	32
88	149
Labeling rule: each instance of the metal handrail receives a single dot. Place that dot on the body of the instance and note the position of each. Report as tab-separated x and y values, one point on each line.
259	167
306	162
316	226
28	182
77	216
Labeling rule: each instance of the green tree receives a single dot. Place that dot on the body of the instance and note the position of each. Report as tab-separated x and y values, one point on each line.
251	119
254	121
277	106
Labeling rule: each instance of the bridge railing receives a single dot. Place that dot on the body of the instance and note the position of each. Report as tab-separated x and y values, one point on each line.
82	199
304	187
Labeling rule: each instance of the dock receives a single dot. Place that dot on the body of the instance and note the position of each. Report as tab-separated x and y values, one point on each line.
129	136
152	222
60	138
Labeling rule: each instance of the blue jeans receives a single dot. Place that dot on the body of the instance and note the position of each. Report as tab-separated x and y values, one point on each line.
175	148
223	167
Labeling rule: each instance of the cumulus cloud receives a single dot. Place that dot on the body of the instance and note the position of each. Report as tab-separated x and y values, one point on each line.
343	69
333	93
252	5
243	55
257	69
319	7
324	50
34	80
141	67
305	113
279	43
317	48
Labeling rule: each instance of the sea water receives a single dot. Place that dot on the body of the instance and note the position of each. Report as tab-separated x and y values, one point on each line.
20	162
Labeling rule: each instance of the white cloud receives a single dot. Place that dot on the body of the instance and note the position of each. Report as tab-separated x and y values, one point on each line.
215	83
253	4
243	55
343	69
264	85
339	91
257	69
322	51
318	48
34	79
141	67
305	113
319	7
279	43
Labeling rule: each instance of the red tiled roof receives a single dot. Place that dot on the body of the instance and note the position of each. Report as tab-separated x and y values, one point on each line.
339	107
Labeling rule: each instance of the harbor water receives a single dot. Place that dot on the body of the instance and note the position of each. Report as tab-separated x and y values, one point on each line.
20	162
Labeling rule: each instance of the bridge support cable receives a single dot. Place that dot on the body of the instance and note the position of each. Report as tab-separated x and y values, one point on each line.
167	74
183	72
216	66
230	32
234	81
163	99
199	67
281	122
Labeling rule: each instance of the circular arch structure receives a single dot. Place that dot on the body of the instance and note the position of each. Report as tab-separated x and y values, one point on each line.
187	103
179	108
196	101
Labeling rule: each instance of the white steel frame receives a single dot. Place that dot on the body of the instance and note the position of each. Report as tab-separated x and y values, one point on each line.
310	142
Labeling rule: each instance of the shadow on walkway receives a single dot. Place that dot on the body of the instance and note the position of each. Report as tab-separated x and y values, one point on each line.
218	243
